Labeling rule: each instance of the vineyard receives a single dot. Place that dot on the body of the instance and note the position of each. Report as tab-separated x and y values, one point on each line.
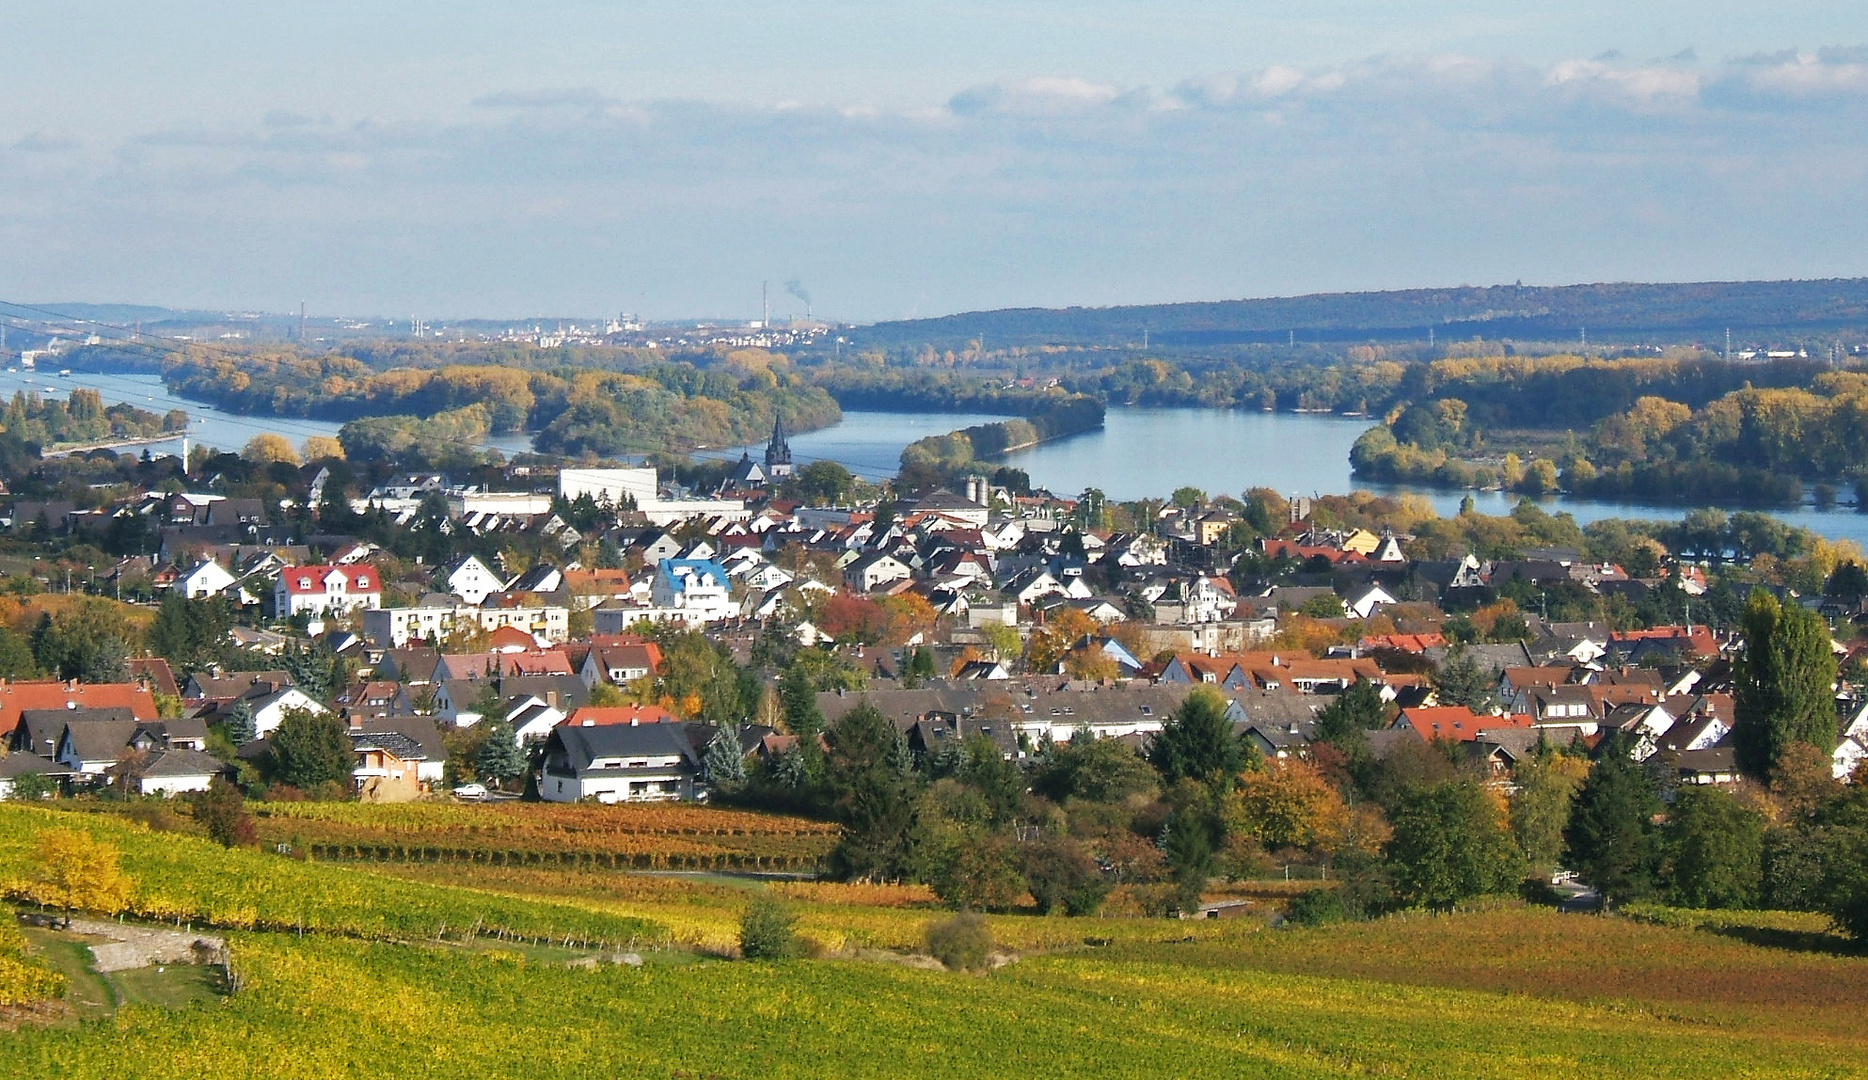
318	1008
840	918
652	837
23	981
188	881
346	970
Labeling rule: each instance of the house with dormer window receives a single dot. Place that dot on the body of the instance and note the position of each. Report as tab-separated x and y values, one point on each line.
327	590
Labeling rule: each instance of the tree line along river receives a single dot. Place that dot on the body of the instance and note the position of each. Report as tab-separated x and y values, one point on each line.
1139	452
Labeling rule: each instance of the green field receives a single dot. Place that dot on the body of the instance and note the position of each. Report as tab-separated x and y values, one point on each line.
1507	991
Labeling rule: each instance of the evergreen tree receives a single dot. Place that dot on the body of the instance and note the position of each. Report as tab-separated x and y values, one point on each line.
314	669
1345	722
1461	680
500	759
1197	742
872	795
239	724
725	763
797	696
1609	839
1186	843
1784	685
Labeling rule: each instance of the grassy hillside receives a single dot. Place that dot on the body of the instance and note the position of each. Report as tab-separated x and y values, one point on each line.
1502	992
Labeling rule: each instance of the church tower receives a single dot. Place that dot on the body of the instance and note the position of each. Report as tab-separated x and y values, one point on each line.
778	451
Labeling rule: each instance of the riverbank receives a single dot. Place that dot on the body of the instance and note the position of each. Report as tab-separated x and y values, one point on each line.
944	456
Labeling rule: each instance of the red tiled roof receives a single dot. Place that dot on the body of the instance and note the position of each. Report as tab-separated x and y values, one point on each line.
1455	722
595	716
303	580
17	696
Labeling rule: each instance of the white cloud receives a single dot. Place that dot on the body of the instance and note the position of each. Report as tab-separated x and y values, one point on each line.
1391	170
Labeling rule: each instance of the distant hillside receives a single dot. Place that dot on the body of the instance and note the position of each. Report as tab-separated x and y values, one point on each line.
1701	310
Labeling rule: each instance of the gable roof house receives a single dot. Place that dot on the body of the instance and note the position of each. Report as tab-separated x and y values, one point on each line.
169	772
619	664
326	590
875	570
17	697
206	578
619	763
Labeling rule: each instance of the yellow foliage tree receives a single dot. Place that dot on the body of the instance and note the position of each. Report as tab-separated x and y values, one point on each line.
75	872
268	448
319	447
1288	803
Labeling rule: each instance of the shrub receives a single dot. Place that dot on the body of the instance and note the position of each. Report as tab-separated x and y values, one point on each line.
962	943
767	931
1060	874
1317	907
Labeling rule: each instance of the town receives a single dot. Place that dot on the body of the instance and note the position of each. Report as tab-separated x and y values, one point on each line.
586	634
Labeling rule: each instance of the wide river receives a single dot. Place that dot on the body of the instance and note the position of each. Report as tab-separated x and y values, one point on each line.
1139	453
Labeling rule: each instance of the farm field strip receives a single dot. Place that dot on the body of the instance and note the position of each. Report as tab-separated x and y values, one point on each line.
614	837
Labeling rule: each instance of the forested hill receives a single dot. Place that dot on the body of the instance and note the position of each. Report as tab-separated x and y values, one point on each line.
1700	310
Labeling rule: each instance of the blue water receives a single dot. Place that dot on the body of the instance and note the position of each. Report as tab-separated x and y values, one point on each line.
869	444
1147	453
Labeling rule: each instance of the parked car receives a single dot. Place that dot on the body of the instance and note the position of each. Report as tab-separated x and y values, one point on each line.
471	791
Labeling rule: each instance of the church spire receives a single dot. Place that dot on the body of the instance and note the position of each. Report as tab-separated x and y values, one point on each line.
778	451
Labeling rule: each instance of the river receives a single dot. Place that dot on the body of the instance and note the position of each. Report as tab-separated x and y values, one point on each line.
1139	453
1145	452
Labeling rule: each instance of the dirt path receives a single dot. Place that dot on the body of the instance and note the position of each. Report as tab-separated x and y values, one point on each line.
133	946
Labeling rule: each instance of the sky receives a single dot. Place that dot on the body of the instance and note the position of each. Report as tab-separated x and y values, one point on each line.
463	159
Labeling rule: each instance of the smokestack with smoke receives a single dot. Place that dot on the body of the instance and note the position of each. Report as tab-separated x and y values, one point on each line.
796	288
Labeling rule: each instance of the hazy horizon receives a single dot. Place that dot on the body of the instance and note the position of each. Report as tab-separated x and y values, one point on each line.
450	160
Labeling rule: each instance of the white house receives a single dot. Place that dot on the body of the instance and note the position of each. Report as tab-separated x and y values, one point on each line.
174	772
395	627
618	664
327	590
1369	601
206	578
473	582
874	571
619	763
268	711
697	587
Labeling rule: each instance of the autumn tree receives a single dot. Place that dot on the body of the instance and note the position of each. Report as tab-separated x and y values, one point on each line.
268	448
1784	685
1540	805
221	810
322	447
1060	873
1288	803
73	871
